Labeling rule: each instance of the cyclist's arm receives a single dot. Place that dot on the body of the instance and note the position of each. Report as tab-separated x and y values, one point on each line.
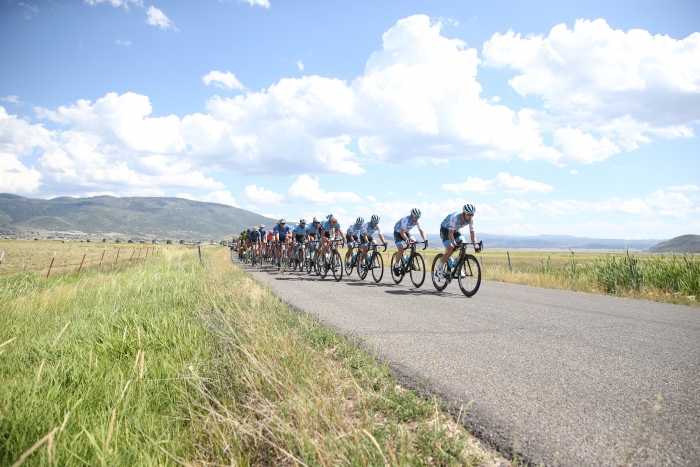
403	234
422	233
473	236
451	234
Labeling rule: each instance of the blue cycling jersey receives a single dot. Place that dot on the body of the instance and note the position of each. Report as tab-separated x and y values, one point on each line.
328	227
454	222
299	230
282	231
406	224
312	230
263	232
369	230
255	234
354	229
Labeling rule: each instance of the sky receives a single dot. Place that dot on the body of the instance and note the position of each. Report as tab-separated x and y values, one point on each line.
562	118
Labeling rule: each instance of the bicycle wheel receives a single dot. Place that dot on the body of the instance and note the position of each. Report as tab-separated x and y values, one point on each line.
396	278
349	265
416	268
471	270
310	263
439	284
377	266
321	269
337	266
362	268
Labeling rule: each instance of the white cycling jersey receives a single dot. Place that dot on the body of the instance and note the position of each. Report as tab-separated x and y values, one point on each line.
454	222
368	230
406	224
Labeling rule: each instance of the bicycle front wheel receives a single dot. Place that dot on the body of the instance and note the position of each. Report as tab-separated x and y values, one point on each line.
362	268
417	270
440	284
377	266
321	268
349	266
336	266
469	275
397	278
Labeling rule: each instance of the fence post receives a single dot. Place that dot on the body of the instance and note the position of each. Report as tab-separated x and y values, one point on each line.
199	248
146	253
81	263
509	263
117	260
132	254
139	256
103	255
2	256
51	265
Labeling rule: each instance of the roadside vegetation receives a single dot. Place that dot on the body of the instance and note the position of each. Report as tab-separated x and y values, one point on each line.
173	361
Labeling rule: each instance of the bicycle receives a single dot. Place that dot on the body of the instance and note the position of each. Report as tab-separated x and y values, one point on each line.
413	264
465	269
330	260
354	259
373	261
284	258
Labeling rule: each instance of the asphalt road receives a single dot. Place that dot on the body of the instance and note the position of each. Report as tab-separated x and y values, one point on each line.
562	375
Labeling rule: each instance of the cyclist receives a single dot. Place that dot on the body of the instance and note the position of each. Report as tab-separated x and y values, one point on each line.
282	235
451	236
352	236
299	232
402	235
369	229
329	230
255	240
269	237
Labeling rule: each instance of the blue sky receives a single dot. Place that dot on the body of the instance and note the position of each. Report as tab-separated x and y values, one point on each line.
549	117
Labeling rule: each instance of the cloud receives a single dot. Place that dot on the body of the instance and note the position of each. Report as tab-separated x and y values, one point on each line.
502	183
300	65
186	196
672	205
158	18
12	100
262	196
683	188
116	3
579	147
126	42
15	177
262	3
622	85
308	189
573	172
222	80
219	196
19	137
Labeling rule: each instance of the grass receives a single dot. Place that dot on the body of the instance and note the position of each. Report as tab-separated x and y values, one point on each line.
170	361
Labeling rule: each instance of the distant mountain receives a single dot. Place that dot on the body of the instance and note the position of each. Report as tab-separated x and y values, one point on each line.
555	241
165	218
684	243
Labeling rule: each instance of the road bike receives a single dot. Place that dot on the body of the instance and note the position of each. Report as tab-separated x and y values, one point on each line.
411	264
374	262
283	264
465	269
330	261
352	262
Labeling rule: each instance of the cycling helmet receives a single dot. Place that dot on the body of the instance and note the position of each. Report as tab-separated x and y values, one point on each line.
331	218
315	221
375	219
282	221
302	221
415	212
262	226
360	220
255	227
468	209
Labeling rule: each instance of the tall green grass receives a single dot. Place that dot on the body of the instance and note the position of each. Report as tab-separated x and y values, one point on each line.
175	362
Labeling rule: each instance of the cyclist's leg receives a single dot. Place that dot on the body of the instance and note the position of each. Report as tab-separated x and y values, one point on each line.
400	245
351	244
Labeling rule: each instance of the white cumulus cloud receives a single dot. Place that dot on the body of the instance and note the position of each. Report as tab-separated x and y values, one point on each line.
308	189
501	183
116	3
157	18
300	65
260	195
222	80
219	196
262	3
689	187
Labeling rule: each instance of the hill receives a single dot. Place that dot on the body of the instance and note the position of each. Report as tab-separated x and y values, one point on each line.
684	243
169	218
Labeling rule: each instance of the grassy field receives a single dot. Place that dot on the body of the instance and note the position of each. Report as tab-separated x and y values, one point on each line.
169	361
657	277
26	255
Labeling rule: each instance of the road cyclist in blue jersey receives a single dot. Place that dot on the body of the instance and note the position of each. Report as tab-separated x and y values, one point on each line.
300	236
451	236
282	237
328	258
255	241
352	238
402	235
312	234
367	235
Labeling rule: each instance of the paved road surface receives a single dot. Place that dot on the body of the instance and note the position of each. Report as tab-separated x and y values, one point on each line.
560	371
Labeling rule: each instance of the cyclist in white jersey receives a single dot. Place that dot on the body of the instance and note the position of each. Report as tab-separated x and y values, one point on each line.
352	236
402	235
451	236
329	230
369	229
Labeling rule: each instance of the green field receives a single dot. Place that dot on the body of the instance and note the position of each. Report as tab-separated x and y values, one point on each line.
172	361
